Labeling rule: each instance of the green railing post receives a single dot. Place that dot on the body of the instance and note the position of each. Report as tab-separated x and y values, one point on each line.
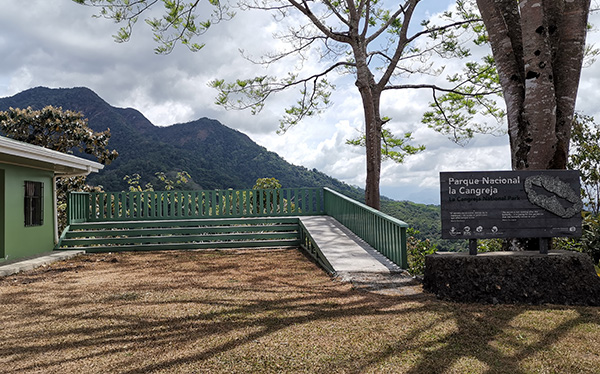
78	207
70	208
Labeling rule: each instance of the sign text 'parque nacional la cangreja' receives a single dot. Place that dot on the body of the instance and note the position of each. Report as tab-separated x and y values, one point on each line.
510	204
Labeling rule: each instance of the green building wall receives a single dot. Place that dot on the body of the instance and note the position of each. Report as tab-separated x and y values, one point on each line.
16	240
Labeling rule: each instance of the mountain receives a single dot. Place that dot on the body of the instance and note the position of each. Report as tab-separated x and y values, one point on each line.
216	156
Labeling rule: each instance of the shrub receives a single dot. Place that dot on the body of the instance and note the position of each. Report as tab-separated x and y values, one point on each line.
490	245
417	250
590	238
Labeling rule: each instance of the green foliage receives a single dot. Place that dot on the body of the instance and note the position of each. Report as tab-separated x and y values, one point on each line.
417	250
468	106
179	22
134	183
63	131
252	94
584	156
180	181
453	114
53	128
271	184
490	245
393	148
266	184
590	238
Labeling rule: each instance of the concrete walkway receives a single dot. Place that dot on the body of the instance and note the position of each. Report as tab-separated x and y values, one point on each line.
34	262
346	252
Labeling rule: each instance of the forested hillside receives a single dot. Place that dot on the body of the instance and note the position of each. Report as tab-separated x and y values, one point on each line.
216	156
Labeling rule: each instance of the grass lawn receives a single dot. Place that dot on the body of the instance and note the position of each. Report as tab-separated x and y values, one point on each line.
267	311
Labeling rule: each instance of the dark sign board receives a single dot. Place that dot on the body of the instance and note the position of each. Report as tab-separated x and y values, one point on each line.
510	204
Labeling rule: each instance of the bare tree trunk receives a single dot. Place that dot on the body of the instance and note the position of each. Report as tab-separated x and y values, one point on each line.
370	94
373	145
373	124
538	46
569	60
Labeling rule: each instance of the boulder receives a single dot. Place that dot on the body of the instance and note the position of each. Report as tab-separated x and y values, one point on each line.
559	277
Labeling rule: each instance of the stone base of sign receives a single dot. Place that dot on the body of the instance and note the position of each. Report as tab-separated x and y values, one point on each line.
559	277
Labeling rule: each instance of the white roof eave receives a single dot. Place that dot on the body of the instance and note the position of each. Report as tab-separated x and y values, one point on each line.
60	163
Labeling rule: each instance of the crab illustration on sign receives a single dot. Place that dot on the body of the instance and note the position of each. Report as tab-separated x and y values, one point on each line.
558	190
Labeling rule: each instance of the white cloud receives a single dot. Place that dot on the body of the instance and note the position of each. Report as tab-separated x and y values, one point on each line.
59	44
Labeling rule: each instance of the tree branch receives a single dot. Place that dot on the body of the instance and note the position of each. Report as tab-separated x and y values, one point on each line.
441	89
392	19
304	9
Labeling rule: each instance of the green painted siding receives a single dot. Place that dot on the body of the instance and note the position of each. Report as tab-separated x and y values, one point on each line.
20	241
2	215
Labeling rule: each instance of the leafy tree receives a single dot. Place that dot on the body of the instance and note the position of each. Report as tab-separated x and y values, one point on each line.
585	157
63	131
181	179
270	203
539	49
266	183
374	42
53	128
179	23
134	181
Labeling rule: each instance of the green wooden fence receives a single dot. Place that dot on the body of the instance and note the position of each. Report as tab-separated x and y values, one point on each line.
163	205
384	233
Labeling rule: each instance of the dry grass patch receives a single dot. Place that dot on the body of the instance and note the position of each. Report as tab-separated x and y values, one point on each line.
266	311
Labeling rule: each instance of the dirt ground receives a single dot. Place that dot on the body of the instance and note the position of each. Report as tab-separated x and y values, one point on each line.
267	311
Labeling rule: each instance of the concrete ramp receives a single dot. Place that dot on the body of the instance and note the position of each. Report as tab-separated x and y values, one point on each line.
345	251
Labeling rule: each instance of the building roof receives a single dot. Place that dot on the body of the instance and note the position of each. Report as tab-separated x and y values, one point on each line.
33	156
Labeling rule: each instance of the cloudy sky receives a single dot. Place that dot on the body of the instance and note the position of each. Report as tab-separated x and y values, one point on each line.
59	44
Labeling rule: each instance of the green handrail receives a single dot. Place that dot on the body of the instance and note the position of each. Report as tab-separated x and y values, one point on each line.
383	232
163	205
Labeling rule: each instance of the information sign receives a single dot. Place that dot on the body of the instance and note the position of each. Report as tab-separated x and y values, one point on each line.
510	204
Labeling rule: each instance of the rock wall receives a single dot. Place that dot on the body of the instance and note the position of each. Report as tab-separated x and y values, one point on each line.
560	277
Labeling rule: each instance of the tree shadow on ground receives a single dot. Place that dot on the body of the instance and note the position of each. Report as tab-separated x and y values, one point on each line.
266	311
